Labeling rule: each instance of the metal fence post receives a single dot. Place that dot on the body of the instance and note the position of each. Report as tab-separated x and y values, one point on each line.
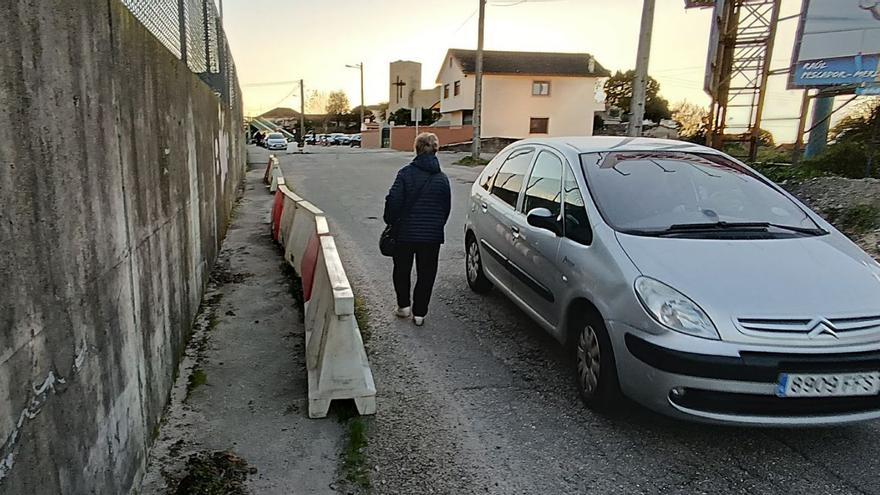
181	23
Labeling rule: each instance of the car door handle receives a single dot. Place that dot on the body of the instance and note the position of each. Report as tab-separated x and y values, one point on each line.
484	207
568	262
515	230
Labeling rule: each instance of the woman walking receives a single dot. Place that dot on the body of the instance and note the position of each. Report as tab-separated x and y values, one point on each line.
416	208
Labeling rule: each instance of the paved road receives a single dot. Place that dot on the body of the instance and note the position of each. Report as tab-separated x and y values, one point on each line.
480	400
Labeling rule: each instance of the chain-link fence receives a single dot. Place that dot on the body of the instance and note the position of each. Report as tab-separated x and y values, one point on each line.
192	31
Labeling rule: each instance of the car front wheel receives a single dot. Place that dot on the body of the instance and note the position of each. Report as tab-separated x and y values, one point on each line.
476	279
596	373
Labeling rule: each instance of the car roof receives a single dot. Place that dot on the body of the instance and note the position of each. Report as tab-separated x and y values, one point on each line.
594	144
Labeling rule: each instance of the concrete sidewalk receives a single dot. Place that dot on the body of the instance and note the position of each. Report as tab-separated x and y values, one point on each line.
242	384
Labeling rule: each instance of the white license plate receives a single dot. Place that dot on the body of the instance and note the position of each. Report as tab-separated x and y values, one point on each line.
828	385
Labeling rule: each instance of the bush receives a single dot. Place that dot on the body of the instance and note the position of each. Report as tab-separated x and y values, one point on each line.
783	172
846	159
771	155
857	219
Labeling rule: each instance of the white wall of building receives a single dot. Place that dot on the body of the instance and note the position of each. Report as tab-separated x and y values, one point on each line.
465	100
508	106
508	103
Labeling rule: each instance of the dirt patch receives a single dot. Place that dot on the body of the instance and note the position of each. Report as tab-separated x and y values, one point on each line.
214	473
222	275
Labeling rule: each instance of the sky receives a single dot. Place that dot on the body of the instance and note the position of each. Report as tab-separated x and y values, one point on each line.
275	43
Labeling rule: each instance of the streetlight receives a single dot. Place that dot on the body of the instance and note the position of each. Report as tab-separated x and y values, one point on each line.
361	67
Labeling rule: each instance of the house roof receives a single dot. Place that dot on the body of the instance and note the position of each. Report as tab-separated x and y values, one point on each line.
281	113
531	63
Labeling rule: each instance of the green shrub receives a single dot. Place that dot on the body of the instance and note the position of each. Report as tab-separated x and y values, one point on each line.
846	159
782	172
857	219
772	155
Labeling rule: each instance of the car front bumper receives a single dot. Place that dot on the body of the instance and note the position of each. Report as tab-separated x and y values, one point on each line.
728	383
277	146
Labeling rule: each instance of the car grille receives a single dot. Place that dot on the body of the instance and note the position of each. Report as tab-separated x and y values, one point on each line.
800	328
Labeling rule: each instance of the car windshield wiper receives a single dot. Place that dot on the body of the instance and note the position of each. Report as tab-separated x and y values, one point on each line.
727	226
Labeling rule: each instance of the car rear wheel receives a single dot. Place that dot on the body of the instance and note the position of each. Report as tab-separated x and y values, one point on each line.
476	279
595	369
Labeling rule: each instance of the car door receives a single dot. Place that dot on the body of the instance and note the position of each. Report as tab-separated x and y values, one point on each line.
494	214
533	252
578	260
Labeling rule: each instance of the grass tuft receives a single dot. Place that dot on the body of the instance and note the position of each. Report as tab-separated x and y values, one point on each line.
362	316
469	161
858	219
197	378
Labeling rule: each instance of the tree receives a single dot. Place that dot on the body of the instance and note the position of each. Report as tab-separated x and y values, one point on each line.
403	116
858	126
692	120
316	102
337	103
619	90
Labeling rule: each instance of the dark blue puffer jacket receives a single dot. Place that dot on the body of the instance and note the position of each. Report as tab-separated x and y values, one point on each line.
421	219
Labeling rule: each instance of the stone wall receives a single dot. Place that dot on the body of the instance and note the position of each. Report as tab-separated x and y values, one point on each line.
118	172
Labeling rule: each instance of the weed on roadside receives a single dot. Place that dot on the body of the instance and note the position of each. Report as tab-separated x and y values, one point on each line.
858	219
214	473
362	316
197	378
469	161
354	459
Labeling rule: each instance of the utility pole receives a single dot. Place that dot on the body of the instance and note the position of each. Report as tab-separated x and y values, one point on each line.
478	81
361	67
221	10
640	81
302	112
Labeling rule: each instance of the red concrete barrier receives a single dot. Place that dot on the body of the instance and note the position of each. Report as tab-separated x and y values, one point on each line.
277	209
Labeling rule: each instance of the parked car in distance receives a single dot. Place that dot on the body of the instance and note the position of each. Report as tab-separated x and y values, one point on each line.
311	139
682	279
276	141
355	141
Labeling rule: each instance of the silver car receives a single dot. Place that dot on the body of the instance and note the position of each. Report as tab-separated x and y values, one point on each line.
681	279
276	141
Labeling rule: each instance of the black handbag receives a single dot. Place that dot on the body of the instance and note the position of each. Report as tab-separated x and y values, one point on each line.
388	238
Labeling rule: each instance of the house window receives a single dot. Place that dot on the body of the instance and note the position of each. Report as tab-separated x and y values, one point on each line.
457	88
445	91
541	88
539	125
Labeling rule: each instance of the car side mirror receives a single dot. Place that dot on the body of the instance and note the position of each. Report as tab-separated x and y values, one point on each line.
543	218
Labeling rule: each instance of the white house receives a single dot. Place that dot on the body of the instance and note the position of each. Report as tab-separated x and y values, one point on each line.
524	93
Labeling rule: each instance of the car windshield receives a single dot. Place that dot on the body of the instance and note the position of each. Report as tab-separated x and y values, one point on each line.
276	136
662	191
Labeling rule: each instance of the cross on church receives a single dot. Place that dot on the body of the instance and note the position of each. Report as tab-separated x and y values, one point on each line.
400	84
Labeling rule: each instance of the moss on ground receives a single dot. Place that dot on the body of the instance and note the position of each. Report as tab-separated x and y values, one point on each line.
469	161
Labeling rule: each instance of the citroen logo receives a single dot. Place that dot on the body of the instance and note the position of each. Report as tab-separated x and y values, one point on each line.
822	327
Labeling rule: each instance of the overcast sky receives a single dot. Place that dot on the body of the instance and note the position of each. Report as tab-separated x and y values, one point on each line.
281	41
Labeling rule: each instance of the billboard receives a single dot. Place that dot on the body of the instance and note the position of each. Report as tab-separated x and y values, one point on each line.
838	43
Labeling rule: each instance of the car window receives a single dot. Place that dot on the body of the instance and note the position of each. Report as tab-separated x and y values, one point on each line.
276	136
654	190
509	180
545	184
489	172
576	224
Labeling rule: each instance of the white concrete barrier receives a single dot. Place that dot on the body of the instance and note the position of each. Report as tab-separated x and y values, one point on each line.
336	361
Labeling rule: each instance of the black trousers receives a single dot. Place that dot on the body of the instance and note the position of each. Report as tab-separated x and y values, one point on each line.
426	256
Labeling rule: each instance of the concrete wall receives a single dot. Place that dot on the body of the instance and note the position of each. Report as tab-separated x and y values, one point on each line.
402	138
508	106
118	171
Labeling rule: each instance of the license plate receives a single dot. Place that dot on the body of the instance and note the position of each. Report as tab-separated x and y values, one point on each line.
828	385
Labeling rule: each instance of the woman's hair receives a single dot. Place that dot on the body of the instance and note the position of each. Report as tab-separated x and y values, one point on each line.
426	143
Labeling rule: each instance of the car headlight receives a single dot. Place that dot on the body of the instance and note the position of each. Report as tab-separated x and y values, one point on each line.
674	310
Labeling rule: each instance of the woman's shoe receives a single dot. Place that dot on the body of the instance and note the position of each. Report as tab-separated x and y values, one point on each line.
419	320
403	312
